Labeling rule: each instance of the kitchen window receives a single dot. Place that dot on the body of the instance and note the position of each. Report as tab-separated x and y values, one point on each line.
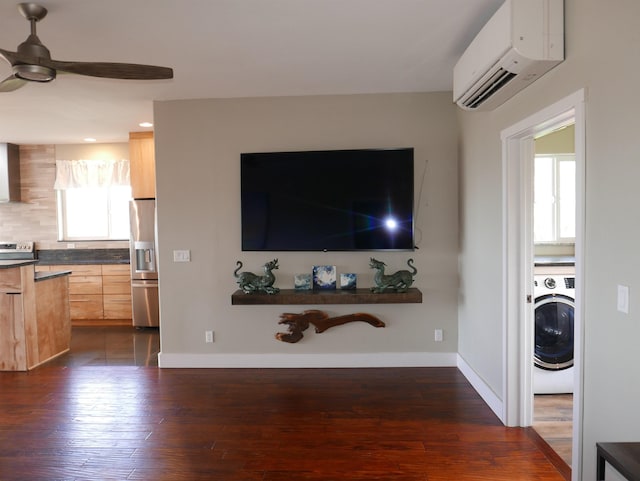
93	200
554	199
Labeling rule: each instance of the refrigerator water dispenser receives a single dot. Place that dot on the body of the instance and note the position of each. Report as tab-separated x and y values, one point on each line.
144	257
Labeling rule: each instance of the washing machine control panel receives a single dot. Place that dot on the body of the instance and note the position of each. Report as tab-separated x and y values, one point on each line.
554	284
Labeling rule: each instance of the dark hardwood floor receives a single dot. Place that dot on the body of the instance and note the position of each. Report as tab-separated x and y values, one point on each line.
96	417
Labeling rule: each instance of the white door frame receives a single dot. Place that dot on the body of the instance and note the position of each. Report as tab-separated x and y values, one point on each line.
518	323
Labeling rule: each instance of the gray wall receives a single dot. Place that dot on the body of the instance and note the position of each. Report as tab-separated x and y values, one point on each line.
198	147
602	44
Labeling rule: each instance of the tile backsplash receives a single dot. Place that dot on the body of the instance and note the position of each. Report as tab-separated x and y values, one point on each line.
35	217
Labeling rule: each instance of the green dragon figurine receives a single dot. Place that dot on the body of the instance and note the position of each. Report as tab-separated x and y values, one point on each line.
250	282
399	281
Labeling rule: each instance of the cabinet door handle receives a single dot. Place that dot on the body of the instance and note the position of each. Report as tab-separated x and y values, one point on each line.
13	293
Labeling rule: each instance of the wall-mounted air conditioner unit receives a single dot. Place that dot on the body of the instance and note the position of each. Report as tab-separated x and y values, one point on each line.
521	42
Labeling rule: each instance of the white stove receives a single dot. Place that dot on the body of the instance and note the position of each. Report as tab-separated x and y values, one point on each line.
23	250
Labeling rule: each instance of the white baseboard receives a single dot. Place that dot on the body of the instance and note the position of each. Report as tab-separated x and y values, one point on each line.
482	388
378	359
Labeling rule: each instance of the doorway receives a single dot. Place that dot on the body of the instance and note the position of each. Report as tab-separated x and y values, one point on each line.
518	313
554	201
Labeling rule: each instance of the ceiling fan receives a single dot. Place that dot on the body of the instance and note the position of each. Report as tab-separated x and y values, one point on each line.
32	62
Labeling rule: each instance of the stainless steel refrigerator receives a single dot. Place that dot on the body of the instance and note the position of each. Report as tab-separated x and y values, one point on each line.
144	272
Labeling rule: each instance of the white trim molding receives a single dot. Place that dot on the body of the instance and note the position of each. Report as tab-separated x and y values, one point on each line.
517	285
482	388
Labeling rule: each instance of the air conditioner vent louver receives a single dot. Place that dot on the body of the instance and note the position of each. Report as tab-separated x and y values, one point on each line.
486	90
522	41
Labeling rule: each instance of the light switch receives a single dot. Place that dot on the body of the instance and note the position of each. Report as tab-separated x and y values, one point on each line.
623	299
182	256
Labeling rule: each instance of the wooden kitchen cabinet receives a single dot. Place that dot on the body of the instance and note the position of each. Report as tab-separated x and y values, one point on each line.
116	279
12	332
86	306
86	284
98	293
116	291
52	297
34	316
142	164
85	291
12	342
11	281
117	306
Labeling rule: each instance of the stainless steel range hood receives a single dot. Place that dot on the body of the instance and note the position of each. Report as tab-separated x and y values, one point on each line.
9	173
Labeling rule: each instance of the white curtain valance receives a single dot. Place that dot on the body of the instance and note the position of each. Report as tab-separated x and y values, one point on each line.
72	174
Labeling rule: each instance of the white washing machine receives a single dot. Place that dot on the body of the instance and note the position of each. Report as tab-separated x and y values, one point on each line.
554	333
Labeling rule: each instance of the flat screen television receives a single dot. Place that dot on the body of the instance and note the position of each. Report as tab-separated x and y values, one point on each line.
331	200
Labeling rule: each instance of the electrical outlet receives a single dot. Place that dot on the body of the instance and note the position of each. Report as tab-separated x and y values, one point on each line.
437	335
181	256
623	299
208	337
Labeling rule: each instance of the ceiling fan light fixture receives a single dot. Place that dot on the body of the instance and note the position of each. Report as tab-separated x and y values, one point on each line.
34	73
32	61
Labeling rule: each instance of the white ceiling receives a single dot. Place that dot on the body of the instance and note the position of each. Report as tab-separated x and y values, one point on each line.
227	48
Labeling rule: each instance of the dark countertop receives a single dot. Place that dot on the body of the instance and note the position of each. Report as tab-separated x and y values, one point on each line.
16	263
38	276
50	257
43	276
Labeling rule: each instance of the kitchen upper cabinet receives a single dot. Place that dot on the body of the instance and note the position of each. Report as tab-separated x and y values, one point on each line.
143	165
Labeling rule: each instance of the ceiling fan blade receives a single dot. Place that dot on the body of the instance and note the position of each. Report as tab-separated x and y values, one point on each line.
11	83
9	56
32	61
126	71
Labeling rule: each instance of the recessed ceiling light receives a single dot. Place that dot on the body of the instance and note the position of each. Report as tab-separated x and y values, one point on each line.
89	139
145	124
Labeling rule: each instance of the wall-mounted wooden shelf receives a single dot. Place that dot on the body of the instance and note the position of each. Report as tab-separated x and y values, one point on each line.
299	297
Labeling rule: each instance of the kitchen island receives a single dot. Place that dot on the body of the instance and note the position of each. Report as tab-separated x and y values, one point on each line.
34	315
